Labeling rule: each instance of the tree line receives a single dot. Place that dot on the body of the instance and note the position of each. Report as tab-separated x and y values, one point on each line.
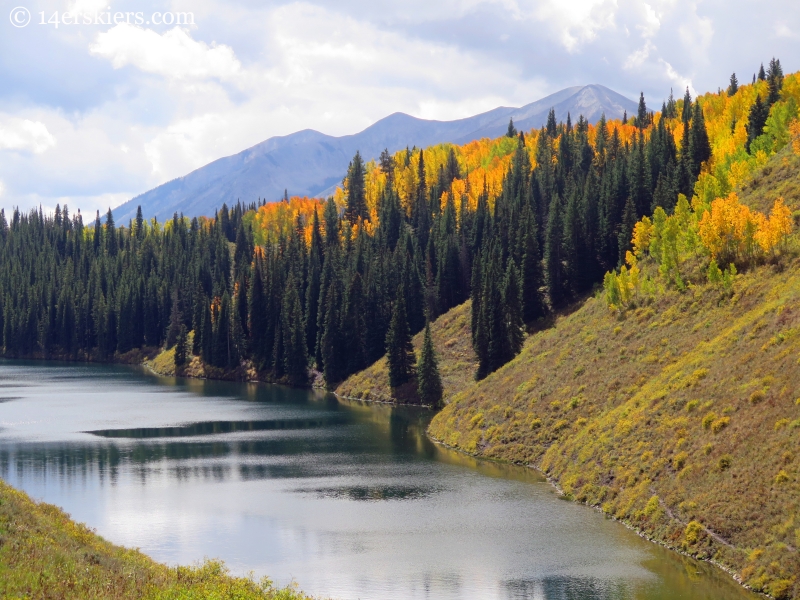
343	284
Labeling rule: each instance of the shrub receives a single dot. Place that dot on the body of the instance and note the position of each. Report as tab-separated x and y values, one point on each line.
679	460
707	449
781	589
652	506
781	423
691	405
536	423
709	419
725	462
720	424
757	396
781	477
692	532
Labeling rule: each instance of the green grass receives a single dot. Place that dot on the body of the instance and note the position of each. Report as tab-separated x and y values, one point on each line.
44	554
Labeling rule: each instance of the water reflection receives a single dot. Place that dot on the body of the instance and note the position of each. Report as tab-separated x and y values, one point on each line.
350	499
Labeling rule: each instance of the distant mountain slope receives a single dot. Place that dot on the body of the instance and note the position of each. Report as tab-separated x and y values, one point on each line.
312	163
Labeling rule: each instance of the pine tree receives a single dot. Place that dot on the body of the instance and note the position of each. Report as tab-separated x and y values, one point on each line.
356	197
429	382
733	87
699	146
533	306
181	348
641	116
761	74
399	349
552	254
686	115
759	112
512	131
295	355
139	223
512	303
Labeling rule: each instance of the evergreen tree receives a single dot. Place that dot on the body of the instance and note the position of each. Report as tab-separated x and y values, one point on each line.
356	196
642	120
699	146
686	115
757	119
512	131
295	353
733	87
399	349
429	382
554	264
181	348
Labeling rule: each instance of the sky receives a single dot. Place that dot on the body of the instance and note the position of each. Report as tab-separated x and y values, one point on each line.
101	100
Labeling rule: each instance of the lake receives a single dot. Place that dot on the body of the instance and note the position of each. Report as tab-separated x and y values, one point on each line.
351	500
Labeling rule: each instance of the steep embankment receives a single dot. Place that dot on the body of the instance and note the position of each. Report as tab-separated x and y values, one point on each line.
457	361
681	417
44	554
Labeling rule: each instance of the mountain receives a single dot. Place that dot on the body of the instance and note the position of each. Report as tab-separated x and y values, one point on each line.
310	163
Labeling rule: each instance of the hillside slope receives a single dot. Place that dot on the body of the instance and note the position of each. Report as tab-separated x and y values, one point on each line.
457	360
44	554
681	416
310	163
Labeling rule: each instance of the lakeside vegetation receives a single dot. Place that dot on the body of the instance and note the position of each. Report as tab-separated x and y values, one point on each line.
522	225
668	398
44	554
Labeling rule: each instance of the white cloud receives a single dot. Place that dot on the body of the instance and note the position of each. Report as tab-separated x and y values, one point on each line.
784	31
173	54
24	134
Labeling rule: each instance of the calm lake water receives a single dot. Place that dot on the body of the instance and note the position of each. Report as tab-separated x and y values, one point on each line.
349	500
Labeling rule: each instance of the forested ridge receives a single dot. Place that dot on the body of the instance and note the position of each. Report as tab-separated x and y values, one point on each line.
523	225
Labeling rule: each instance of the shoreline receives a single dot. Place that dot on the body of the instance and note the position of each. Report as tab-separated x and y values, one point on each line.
148	365
722	567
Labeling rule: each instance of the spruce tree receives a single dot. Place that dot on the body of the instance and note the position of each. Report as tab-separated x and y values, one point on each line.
641	115
356	197
552	254
512	131
181	348
399	349
733	87
429	382
757	119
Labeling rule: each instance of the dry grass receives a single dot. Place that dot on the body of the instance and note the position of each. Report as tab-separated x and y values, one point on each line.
44	554
681	417
457	361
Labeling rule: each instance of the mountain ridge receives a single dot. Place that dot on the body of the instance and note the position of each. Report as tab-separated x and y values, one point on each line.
311	163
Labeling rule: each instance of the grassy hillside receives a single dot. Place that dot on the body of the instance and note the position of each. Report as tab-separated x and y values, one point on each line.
680	416
457	361
44	554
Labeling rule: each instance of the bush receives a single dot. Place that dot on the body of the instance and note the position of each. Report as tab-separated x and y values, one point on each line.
679	460
725	462
692	532
757	397
781	423
709	419
781	477
720	424
691	405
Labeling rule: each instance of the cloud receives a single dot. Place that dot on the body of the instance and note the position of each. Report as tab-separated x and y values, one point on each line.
173	54
25	135
132	107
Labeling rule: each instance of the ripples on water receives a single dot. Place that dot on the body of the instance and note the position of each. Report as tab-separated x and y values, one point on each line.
351	500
